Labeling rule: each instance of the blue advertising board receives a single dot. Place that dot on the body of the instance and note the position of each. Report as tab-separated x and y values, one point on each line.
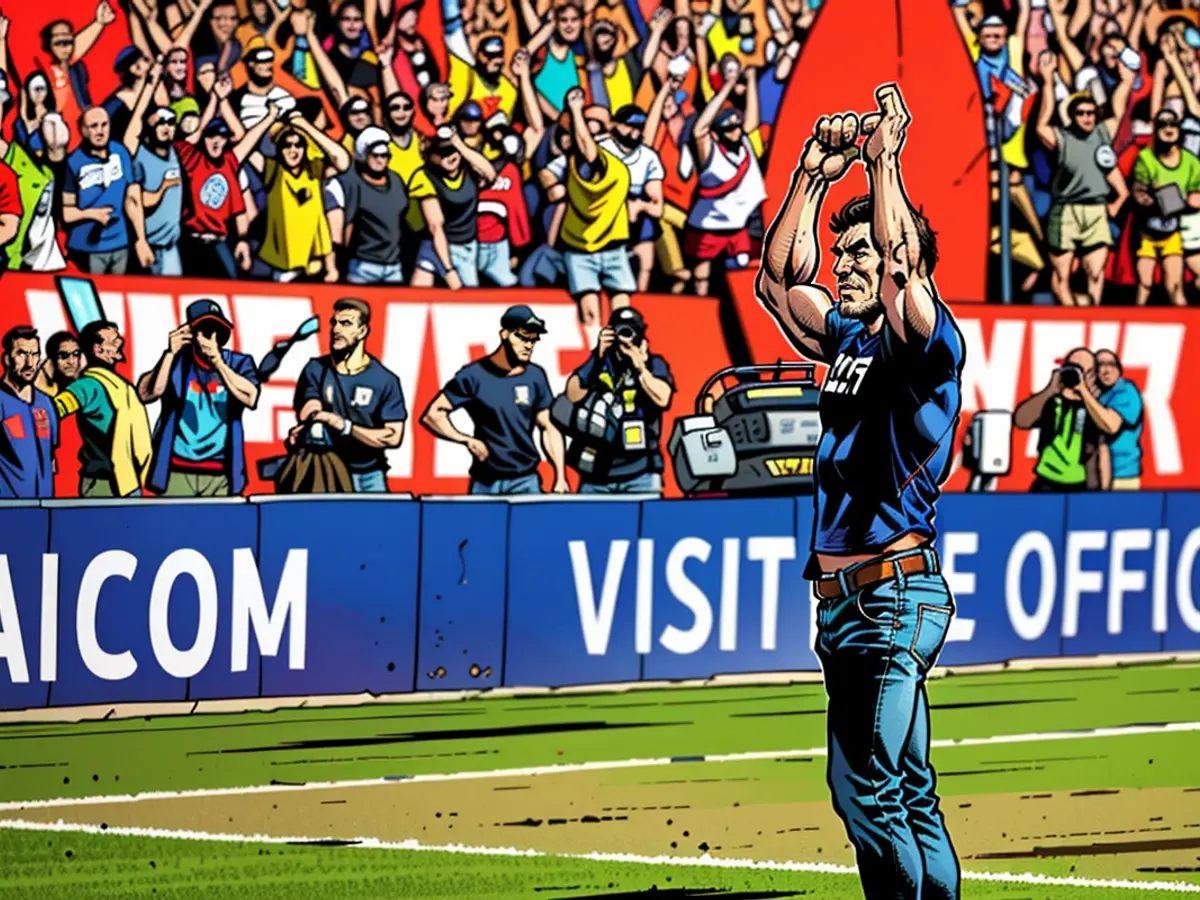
24	672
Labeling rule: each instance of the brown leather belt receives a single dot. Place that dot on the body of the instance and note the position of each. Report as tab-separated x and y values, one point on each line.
883	568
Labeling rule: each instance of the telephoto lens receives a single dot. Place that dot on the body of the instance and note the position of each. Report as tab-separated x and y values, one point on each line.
1070	376
626	331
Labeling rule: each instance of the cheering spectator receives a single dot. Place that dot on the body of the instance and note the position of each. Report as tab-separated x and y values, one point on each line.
132	67
34	244
1166	185
98	206
252	101
349	401
375	203
414	64
731	187
158	179
297	240
115	456
595	229
349	47
204	390
28	424
214	197
612	79
477	76
64	363
646	173
1084	175
217	43
503	215
507	396
444	202
1123	422
560	65
65	67
399	114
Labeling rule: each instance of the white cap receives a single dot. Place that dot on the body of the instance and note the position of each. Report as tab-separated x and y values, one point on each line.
499	120
371	136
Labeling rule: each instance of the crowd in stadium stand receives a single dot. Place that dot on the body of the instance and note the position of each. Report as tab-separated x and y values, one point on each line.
595	145
1094	122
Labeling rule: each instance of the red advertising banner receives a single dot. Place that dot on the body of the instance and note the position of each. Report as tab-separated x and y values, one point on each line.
425	336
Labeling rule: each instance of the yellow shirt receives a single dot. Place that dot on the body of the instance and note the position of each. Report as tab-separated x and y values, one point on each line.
421	187
297	230
596	215
465	84
1014	148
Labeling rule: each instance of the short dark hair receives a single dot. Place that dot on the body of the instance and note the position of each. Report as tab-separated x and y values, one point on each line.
1077	101
860	211
356	305
55	341
89	337
46	33
1116	359
19	333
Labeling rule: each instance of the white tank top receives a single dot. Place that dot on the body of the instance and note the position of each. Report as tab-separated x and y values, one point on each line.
731	188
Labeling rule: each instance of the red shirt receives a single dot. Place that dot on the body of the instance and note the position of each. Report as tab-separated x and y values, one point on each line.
10	199
214	196
502	211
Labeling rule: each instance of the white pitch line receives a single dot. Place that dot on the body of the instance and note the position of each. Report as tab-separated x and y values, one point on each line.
596	766
705	861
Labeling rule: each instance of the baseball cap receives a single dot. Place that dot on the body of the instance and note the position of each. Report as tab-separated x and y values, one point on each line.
491	45
261	55
369	138
202	310
126	58
627	315
522	317
471	111
357	105
215	127
161	114
186	106
991	21
724	117
499	120
630	115
604	25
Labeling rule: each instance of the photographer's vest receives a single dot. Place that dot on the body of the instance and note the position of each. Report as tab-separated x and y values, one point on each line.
1061	456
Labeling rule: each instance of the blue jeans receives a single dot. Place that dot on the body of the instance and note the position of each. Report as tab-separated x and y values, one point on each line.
646	483
876	648
369	482
464	258
526	484
362	271
495	261
167	261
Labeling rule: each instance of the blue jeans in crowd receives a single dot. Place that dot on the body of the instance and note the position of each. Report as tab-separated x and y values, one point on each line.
646	483
495	261
526	484
876	647
363	271
374	482
167	261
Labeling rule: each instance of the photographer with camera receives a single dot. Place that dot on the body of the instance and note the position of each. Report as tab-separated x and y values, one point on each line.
1071	423
622	392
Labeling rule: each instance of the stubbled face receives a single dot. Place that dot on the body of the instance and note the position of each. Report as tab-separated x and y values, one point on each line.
400	111
95	127
520	344
1107	369
67	362
262	73
62	43
605	41
351	23
21	364
569	24
224	22
628	135
214	145
177	66
111	347
1166	131
493	64
858	268
346	330
992	38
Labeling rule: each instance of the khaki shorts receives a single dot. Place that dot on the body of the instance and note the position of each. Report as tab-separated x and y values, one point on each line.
1078	226
1127	484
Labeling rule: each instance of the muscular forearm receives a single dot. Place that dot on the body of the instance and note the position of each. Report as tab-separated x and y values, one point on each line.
242	388
657	389
1029	411
552	444
1107	420
438	422
153	384
385	438
793	251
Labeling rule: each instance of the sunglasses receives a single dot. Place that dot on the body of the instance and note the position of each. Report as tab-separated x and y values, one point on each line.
63	42
64	355
526	338
293	145
400	107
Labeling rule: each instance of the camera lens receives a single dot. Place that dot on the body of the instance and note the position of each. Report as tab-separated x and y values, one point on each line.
626	331
1070	377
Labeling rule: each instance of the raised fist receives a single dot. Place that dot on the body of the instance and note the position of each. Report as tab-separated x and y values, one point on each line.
575	99
105	14
661	19
832	147
888	128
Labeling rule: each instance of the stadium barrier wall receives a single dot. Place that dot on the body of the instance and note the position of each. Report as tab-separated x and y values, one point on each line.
181	600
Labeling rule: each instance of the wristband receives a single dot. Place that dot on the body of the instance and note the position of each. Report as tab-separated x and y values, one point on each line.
347	427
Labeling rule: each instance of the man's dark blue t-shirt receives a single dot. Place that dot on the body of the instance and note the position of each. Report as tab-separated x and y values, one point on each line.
370	398
888	412
503	407
28	436
638	408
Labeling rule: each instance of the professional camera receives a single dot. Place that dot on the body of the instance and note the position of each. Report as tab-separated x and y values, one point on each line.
1070	376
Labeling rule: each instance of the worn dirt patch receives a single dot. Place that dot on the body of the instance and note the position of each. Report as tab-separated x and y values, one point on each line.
1110	833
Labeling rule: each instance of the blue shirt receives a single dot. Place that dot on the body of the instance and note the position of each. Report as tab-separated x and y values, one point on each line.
28	436
371	399
639	409
203	427
504	408
1126	444
888	412
99	182
150	171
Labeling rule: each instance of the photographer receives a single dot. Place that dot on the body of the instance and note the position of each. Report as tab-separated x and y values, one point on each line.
1071	423
640	386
